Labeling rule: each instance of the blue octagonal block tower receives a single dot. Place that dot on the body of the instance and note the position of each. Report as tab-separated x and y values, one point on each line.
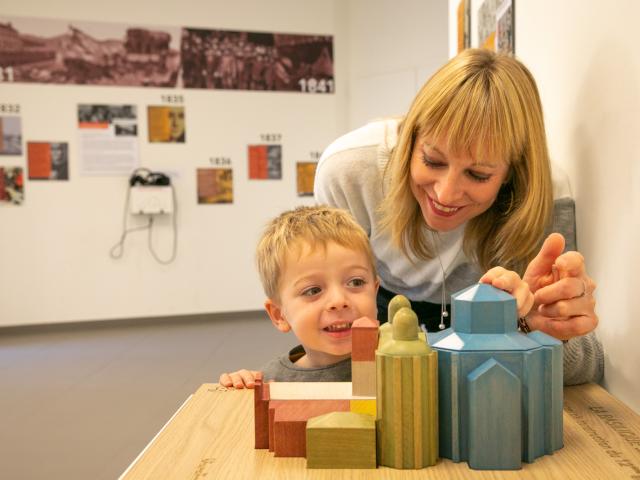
500	390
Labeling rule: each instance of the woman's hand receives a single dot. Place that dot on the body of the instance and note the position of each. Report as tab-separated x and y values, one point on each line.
240	379
511	283
564	306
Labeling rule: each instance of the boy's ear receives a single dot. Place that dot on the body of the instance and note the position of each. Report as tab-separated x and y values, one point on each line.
275	314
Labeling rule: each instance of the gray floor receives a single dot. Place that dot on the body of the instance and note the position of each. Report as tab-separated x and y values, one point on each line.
81	401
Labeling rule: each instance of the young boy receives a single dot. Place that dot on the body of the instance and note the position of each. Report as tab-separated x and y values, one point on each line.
318	272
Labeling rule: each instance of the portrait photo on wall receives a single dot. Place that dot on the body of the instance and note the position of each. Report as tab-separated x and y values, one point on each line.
10	135
11	185
47	50
48	160
306	173
166	124
215	185
265	162
234	60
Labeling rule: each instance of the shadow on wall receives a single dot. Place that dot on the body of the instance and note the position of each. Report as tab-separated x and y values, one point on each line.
606	142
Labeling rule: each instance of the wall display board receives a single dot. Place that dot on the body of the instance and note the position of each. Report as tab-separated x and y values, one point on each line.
80	52
108	139
166	124
306	172
11	185
48	160
10	135
265	162
215	185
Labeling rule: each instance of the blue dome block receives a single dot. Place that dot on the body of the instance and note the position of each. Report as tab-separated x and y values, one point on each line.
482	308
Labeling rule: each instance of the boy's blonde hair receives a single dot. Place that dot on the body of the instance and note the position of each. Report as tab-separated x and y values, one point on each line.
482	103
316	225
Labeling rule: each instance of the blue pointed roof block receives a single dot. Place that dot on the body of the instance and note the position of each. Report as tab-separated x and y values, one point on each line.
483	357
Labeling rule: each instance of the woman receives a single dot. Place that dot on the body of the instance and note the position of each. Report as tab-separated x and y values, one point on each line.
463	185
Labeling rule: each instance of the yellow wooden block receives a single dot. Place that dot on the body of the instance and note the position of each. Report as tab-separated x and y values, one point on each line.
367	406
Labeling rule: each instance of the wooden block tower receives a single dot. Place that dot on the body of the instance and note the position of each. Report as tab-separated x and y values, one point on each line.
407	395
364	341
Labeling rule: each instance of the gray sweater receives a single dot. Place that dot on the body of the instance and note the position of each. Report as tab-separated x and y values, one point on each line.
283	369
350	175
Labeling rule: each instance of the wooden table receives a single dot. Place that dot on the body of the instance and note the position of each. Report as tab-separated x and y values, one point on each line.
211	437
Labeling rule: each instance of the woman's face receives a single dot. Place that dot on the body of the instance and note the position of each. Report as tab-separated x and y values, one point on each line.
452	189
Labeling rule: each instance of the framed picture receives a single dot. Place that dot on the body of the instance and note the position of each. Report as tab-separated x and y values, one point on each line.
495	26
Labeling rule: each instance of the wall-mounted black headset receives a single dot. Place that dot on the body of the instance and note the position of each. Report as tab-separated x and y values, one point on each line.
144	176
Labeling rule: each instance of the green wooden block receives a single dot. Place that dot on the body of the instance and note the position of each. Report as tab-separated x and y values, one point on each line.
341	440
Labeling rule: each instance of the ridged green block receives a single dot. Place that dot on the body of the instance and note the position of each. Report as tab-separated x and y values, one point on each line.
341	440
407	393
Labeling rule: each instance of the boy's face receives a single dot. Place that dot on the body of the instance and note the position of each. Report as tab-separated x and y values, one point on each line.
321	293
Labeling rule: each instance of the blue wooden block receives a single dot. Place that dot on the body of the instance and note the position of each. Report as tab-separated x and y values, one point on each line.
483	347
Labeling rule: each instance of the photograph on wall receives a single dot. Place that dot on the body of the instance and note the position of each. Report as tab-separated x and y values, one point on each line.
215	185
10	135
464	25
505	32
108	143
487	24
166	124
265	162
234	60
306	172
74	52
11	185
48	160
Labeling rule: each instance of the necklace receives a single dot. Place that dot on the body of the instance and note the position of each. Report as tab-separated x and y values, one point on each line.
443	299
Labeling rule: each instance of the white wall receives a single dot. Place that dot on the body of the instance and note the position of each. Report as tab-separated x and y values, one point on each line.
54	262
583	55
393	48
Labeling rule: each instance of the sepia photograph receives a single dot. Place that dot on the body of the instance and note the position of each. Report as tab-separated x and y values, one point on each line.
166	124
265	162
10	135
306	172
48	160
233	60
215	185
88	53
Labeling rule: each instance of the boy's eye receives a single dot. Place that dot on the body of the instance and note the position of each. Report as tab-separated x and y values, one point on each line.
356	282
311	291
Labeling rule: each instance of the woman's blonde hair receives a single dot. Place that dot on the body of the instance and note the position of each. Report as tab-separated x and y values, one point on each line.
314	226
481	103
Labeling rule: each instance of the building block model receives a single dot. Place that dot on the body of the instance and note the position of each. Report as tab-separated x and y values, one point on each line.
480	392
500	391
341	440
407	395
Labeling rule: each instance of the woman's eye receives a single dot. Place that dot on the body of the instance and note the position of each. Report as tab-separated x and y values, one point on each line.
311	291
430	162
356	282
478	177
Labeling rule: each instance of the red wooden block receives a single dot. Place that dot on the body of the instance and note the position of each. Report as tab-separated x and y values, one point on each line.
290	423
364	340
261	412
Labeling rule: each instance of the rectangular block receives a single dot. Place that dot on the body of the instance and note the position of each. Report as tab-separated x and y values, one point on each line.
290	422
364	341
366	406
363	378
261	412
341	440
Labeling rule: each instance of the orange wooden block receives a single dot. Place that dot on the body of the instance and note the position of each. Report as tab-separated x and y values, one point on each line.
261	412
364	340
290	423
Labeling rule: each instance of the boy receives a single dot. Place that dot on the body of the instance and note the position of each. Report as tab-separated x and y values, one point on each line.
318	272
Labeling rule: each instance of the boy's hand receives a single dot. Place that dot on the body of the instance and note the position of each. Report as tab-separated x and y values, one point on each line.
240	379
511	282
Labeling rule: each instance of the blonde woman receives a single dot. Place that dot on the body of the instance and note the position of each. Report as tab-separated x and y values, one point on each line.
461	190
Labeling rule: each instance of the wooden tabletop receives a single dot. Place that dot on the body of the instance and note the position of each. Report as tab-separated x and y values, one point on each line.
211	437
